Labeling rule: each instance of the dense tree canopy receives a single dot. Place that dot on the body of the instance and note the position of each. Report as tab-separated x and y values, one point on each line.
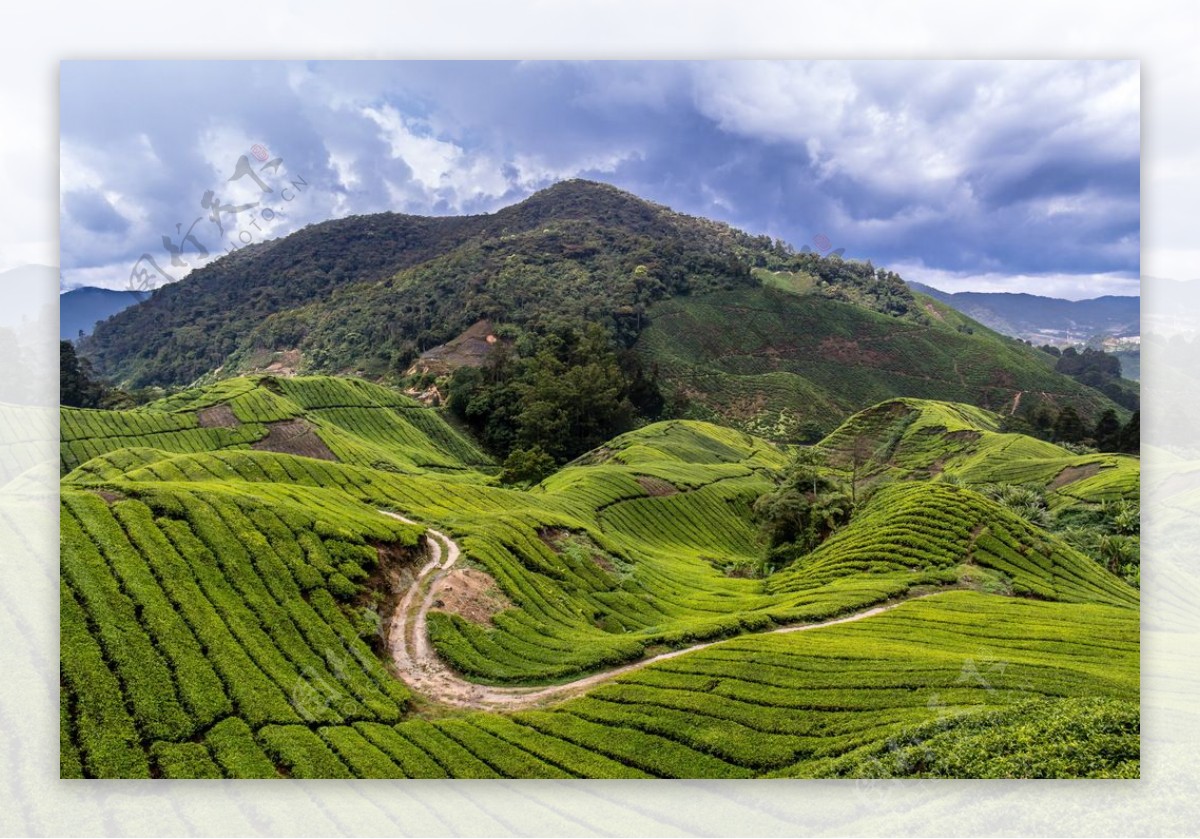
554	393
1068	427
808	504
1101	370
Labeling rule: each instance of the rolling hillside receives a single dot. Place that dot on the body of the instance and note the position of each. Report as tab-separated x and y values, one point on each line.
368	296
318	577
355	423
796	357
917	439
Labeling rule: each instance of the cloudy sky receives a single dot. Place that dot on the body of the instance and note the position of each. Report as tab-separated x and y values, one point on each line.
1020	176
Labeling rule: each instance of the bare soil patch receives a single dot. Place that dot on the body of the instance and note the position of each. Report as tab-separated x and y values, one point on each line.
933	312
1074	473
391	553
604	563
294	436
471	593
746	408
430	396
471	348
552	536
1016	403
217	416
656	486
285	364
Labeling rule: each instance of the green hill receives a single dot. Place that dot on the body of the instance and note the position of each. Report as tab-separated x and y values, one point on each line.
910	528
916	438
771	361
229	592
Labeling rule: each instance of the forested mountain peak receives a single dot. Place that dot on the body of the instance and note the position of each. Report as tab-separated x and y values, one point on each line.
190	328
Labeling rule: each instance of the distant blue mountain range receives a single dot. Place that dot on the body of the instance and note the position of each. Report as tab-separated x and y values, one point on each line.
1035	318
82	308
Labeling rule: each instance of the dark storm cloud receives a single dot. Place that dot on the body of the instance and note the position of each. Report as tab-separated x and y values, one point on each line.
952	169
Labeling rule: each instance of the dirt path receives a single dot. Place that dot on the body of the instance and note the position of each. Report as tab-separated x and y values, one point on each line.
425	672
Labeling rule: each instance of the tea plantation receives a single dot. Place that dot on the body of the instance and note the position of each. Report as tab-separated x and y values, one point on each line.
229	581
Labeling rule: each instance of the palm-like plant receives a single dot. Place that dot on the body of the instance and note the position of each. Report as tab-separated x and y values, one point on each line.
1125	517
1116	551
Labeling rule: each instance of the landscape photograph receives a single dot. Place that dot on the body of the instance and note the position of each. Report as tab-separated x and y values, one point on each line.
591	420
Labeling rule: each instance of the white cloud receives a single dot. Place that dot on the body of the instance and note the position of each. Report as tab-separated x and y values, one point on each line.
535	171
437	165
343	167
920	127
221	146
76	171
912	159
431	160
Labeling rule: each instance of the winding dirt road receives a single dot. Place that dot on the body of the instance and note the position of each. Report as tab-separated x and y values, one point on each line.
424	671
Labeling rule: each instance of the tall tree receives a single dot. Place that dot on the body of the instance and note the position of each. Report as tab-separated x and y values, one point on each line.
808	504
563	391
1068	427
76	387
1108	431
1130	440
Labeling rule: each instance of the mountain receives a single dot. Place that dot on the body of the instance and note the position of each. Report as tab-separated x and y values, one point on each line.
80	309
816	338
1042	319
574	240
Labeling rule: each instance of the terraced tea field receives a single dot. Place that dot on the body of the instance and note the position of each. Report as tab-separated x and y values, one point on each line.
918	439
357	596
